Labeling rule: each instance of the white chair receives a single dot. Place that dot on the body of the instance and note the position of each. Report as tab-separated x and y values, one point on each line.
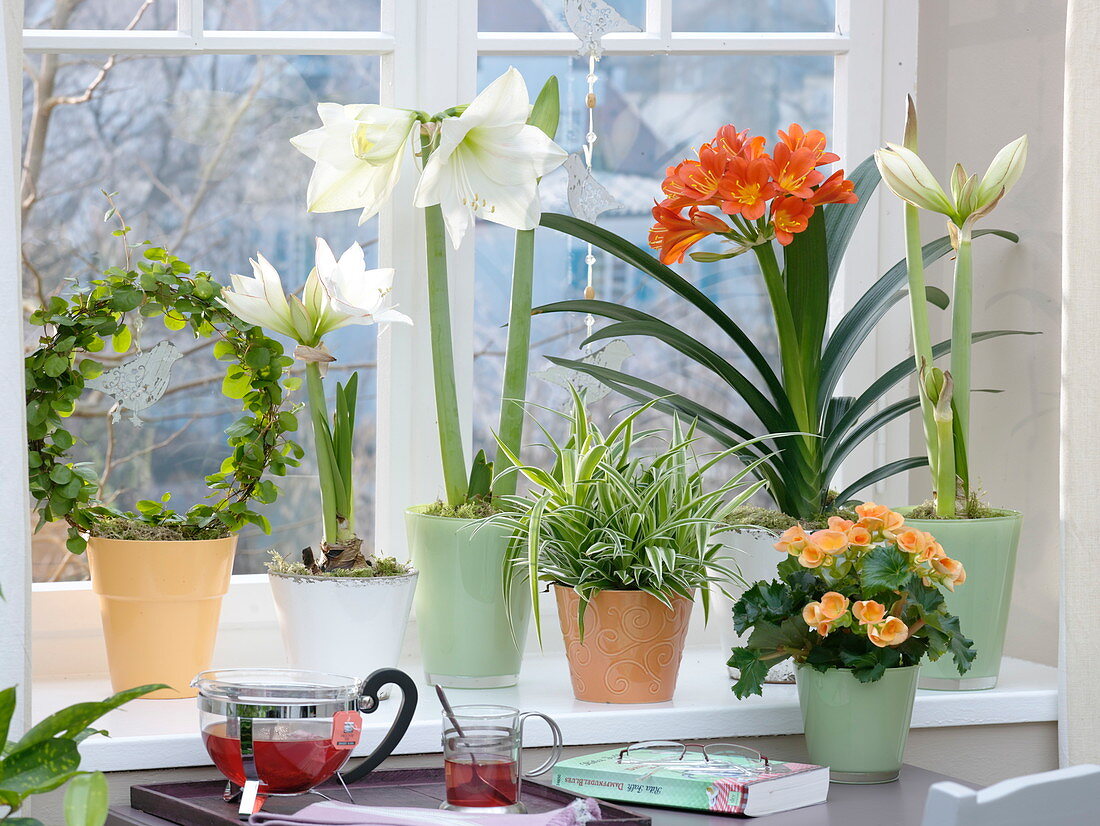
1067	797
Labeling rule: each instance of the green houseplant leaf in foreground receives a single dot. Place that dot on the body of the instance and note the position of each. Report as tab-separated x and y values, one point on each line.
47	757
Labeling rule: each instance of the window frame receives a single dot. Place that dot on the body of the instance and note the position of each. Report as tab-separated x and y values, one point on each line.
429	51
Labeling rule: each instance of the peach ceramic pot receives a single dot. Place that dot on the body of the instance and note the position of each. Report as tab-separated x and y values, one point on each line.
631	649
160	602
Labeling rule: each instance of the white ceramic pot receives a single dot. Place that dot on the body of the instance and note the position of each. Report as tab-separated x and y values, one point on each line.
343	625
753	551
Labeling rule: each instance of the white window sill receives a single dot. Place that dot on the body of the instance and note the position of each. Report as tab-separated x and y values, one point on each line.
152	734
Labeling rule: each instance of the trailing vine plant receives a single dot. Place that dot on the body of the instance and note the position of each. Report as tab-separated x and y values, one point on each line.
108	312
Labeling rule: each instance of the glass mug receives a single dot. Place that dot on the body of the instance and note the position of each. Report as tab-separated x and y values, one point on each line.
482	757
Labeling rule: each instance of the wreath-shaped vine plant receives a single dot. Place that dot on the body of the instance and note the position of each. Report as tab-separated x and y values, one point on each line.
157	285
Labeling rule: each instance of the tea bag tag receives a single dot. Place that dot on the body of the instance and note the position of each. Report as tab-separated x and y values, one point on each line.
346	728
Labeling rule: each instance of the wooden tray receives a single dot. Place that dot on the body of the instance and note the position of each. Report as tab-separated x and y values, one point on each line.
201	803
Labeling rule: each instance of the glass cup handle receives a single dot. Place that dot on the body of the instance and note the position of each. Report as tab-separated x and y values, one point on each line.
555	754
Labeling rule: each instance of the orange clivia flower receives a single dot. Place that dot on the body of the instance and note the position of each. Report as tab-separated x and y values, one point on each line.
700	179
835	189
747	187
790	216
868	612
891	631
673	234
797	138
834	605
792	540
795	170
732	142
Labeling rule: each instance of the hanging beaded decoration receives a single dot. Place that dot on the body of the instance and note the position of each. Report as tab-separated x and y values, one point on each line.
590	20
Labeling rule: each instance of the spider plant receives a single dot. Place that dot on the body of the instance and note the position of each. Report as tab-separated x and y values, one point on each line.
607	516
798	470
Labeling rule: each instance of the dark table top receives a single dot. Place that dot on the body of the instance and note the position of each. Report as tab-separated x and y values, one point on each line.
896	804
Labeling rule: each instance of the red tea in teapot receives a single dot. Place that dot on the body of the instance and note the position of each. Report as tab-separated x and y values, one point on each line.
289	763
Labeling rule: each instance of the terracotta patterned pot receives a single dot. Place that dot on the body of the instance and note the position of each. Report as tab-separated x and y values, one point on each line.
631	649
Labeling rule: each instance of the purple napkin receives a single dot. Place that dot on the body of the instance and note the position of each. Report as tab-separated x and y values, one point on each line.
332	813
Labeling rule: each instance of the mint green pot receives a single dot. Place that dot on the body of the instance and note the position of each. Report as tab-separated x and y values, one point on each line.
466	640
987	550
857	729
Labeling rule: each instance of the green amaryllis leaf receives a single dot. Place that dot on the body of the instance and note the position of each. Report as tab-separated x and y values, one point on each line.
71	721
39	768
852	330
86	800
841	219
753	671
905	368
885	568
635	256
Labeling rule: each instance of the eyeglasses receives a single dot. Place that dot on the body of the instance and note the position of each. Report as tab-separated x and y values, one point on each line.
712	758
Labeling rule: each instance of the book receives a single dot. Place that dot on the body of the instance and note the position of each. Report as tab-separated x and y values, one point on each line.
726	783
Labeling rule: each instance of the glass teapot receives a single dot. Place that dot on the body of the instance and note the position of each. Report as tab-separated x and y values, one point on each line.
274	731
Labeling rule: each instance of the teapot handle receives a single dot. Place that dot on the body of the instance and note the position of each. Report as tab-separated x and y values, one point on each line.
368	702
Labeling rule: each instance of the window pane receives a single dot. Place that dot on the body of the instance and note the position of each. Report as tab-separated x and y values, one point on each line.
652	112
542	15
754	15
294	15
99	14
197	149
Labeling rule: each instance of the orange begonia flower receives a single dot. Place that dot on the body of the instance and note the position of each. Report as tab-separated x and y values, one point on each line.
792	540
747	187
839	523
811	614
831	542
952	570
913	541
673	234
834	605
892	631
869	612
812	556
859	536
790	215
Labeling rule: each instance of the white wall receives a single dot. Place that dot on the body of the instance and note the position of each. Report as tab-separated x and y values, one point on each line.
990	70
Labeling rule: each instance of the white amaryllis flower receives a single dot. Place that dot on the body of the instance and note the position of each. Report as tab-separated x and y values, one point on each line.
357	152
971	198
488	161
260	300
355	293
337	293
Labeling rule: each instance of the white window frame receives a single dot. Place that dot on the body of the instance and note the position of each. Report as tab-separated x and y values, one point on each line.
428	51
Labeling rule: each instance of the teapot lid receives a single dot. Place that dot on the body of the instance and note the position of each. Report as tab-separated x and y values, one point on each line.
275	692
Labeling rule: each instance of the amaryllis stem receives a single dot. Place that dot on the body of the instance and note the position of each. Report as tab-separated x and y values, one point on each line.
455	481
322	440
514	390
